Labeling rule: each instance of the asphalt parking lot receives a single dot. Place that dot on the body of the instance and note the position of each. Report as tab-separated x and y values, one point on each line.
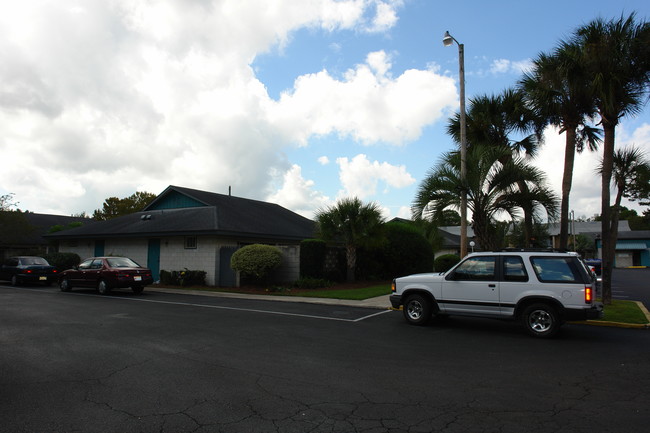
165	362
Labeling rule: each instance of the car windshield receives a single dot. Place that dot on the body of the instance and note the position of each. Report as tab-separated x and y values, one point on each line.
33	261
121	262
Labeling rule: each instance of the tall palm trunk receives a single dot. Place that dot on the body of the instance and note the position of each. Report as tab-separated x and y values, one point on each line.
609	241
567	180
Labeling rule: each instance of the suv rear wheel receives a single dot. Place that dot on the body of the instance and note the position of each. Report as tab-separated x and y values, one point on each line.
541	320
417	310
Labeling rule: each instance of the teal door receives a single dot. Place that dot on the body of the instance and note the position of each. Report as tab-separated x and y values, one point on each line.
99	248
153	258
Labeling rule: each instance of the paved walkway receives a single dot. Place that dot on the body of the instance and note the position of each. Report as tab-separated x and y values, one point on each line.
379	302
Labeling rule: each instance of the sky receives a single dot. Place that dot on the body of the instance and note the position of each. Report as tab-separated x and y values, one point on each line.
296	102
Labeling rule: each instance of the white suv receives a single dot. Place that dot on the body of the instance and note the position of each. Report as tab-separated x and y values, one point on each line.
542	289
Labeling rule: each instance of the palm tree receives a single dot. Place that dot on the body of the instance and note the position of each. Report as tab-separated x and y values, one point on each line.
616	54
556	89
353	223
627	163
492	189
503	120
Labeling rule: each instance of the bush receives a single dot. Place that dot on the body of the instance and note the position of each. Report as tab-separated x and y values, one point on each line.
312	283
406	252
312	258
445	262
63	261
185	277
257	261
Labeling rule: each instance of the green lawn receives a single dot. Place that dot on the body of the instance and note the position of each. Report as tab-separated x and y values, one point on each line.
624	312
350	294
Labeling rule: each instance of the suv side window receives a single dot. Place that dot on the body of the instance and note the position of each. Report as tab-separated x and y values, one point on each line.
556	269
476	269
514	269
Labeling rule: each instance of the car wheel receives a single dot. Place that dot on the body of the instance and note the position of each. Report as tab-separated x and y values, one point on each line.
15	281
64	285
137	289
103	288
541	320
418	310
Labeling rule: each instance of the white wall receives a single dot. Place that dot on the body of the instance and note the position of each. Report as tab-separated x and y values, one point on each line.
175	257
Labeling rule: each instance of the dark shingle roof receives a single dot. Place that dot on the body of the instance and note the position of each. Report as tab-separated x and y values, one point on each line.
221	215
41	224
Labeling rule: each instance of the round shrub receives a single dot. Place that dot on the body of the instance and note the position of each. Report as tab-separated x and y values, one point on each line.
257	261
63	261
445	262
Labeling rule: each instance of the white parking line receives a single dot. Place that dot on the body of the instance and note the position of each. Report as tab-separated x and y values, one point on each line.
219	307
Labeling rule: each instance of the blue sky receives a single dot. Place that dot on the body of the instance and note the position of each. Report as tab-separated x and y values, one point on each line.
296	102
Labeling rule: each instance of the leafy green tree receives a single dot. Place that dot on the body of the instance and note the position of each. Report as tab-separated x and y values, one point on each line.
115	207
558	91
503	120
7	202
626	164
492	190
354	224
616	54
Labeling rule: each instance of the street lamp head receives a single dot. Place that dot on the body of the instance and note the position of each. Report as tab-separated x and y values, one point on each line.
447	39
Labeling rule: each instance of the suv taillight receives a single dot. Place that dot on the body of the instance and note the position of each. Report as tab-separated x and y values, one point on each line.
589	294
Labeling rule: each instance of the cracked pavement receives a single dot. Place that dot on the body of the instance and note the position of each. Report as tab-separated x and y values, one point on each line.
93	364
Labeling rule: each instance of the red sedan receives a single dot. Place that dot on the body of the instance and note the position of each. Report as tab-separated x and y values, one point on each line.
105	274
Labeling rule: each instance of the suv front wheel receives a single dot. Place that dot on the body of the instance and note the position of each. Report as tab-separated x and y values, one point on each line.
541	320
417	310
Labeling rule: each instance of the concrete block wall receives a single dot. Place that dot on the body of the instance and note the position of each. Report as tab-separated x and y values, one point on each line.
175	257
83	248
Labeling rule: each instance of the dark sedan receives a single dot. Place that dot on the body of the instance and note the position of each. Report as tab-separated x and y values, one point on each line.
105	274
28	269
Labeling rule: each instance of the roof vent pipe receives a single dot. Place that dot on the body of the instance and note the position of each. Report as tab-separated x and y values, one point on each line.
229	190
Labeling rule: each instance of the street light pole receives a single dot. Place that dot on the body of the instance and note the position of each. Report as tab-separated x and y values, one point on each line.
447	40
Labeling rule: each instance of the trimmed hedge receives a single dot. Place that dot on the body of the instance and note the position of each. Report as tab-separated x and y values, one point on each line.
445	262
313	253
257	260
63	261
406	252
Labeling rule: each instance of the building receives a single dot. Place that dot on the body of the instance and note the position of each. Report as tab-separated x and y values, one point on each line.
185	228
23	233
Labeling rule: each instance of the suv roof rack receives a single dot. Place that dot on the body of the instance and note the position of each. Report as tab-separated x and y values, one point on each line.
534	250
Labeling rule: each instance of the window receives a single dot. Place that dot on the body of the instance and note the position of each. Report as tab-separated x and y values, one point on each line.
85	264
190	243
513	269
476	269
556	269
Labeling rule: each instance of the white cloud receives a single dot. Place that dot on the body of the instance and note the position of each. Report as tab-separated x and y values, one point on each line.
323	160
361	177
505	66
367	105
298	194
100	98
